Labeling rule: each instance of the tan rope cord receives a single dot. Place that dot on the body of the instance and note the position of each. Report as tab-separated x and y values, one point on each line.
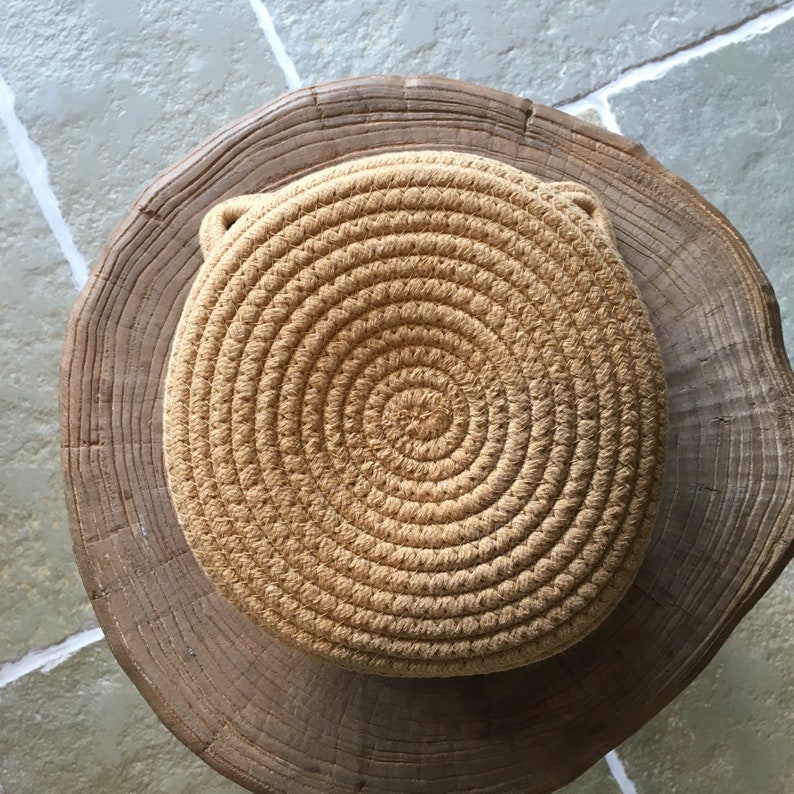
415	414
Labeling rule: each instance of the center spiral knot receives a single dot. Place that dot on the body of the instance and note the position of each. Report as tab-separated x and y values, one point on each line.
415	414
420	413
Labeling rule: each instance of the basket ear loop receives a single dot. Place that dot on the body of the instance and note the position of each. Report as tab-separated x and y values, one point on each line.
221	218
587	201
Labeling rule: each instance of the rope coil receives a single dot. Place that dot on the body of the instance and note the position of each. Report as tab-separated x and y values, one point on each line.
415	414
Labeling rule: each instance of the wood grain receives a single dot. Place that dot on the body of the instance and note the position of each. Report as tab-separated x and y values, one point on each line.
276	721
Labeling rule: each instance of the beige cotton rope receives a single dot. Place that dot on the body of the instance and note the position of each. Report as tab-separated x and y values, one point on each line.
415	414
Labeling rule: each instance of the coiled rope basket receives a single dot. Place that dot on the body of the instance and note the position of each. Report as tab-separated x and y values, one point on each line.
415	414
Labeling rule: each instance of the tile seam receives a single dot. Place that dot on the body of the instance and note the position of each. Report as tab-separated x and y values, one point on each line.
277	47
650	71
33	168
618	771
48	658
600	106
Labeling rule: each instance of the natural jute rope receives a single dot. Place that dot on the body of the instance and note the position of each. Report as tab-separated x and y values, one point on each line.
415	414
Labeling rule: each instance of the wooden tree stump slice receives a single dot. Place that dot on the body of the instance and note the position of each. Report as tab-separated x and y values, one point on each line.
274	720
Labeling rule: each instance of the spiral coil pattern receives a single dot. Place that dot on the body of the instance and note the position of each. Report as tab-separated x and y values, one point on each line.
415	414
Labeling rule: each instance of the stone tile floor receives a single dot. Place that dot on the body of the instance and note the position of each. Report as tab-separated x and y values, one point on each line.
96	97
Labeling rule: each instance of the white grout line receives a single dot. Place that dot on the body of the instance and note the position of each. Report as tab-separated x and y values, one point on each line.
619	773
49	658
276	44
598	105
33	168
598	100
604	110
